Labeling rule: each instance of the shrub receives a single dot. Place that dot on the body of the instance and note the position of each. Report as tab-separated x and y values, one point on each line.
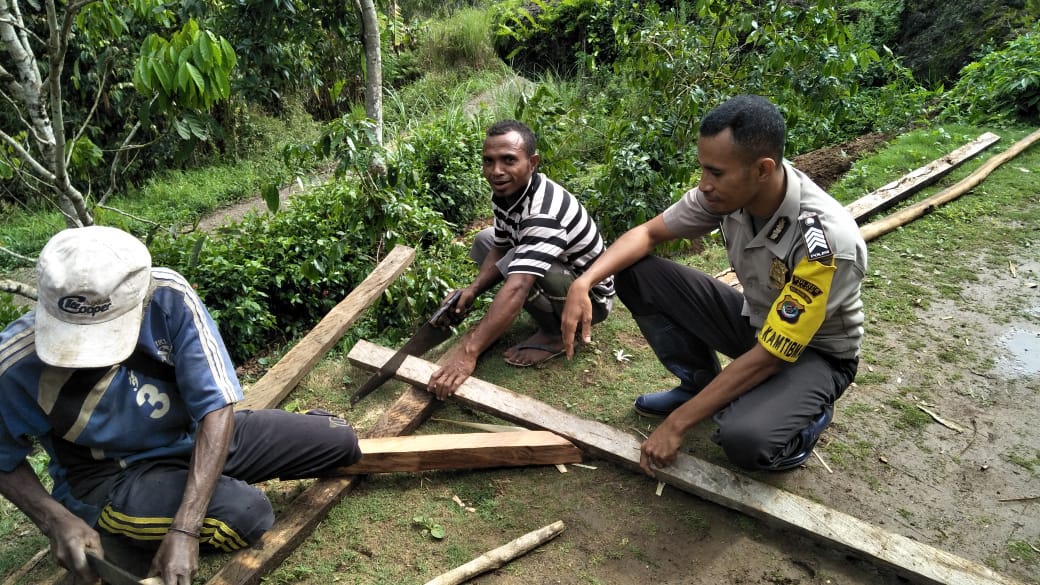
441	163
9	311
458	41
549	36
1003	85
273	277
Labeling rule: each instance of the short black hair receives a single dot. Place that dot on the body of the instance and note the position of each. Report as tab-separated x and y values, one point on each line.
757	126
526	134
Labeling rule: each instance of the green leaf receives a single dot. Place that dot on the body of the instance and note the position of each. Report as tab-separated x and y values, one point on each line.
183	77
205	45
271	197
165	75
196	76
182	129
437	531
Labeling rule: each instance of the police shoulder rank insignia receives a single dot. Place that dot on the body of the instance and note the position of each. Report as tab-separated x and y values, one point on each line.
817	246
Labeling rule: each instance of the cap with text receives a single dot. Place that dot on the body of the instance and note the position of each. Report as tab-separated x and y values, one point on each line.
92	283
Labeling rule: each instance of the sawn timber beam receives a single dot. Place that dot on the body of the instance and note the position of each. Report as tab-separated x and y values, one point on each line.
461	451
279	381
888	195
918	561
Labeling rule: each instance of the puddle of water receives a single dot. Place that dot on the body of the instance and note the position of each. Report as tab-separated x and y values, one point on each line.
1023	344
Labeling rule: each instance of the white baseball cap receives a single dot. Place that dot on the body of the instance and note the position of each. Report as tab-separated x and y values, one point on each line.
92	283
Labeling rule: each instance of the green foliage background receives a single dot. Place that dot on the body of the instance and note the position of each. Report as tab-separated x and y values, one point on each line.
615	94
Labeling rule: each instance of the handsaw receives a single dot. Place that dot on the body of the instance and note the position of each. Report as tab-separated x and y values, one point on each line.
434	331
115	575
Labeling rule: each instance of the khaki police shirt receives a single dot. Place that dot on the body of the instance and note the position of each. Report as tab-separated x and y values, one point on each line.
794	298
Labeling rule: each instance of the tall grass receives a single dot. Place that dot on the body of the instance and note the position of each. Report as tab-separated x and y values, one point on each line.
462	40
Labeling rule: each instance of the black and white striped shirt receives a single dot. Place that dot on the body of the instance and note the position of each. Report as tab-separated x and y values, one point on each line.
545	224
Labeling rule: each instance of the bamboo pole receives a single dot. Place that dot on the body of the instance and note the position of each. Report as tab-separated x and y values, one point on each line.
494	559
28	566
882	226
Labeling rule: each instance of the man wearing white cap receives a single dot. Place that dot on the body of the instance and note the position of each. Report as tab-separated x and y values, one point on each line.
122	377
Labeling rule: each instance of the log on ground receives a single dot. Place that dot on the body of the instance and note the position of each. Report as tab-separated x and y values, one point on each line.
494	559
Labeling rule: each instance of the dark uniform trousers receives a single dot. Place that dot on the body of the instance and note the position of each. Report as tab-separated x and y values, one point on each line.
687	316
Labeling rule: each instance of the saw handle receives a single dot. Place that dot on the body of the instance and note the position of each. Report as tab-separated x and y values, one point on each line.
445	315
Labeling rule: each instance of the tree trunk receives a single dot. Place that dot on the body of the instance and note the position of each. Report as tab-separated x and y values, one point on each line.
42	102
373	66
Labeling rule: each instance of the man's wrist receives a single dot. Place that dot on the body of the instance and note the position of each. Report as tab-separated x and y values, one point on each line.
178	530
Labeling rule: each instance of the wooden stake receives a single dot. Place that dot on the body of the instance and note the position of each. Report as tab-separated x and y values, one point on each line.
904	216
916	560
496	558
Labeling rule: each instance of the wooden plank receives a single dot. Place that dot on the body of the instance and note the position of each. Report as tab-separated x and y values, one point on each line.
906	215
292	526
275	385
462	451
915	560
885	197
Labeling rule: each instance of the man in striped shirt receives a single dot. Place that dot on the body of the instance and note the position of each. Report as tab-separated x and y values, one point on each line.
121	375
541	240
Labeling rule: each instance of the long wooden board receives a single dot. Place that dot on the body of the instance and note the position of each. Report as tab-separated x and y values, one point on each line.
275	385
462	451
910	558
888	223
888	195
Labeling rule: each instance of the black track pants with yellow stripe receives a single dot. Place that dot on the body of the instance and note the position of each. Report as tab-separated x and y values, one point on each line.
266	444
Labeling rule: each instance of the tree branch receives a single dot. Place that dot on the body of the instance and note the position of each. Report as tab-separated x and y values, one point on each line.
131	216
115	163
25	156
27	259
89	116
18	288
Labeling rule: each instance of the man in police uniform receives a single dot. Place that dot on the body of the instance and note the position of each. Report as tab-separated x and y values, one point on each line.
794	334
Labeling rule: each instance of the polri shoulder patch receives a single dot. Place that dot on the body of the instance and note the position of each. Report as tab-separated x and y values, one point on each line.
817	246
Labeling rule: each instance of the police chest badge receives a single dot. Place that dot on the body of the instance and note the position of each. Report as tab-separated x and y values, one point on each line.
778	274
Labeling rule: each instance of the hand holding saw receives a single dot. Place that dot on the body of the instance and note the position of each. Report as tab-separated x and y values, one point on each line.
434	331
